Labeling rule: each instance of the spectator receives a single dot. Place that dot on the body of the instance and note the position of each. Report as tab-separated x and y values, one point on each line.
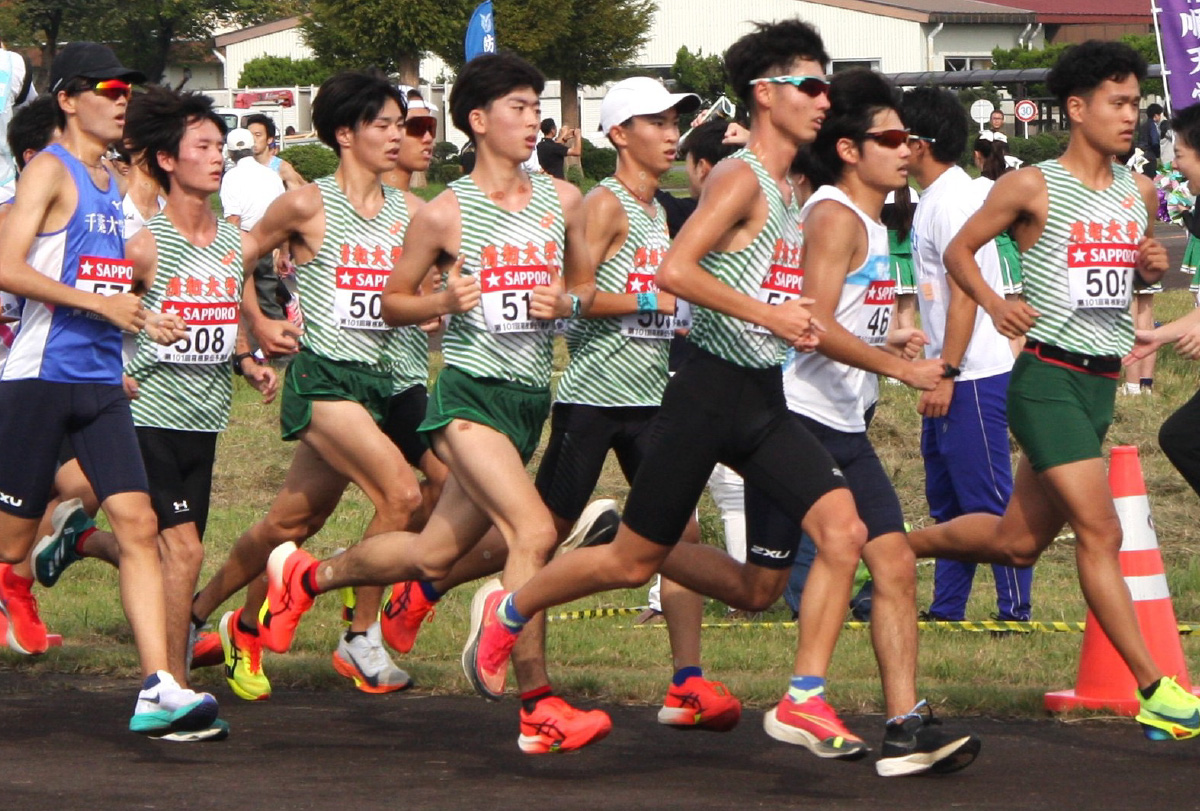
1150	139
553	149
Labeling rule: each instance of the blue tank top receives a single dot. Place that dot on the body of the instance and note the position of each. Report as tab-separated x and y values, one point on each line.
58	343
275	163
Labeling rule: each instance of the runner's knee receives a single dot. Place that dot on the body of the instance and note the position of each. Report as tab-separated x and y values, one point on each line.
841	544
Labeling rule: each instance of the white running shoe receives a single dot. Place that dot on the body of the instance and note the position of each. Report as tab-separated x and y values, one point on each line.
365	660
164	707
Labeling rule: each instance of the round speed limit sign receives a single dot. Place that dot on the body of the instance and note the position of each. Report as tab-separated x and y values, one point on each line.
1025	110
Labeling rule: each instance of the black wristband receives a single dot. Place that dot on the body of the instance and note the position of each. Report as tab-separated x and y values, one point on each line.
950	372
237	362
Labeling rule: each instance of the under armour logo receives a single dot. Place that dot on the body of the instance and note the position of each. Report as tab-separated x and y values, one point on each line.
180	506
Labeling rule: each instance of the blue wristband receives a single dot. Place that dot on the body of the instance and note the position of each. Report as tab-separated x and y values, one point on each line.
647	302
576	306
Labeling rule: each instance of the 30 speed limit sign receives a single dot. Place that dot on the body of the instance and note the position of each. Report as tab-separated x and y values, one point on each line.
1025	110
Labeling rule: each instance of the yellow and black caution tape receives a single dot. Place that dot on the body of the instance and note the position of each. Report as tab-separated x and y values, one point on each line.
976	626
594	613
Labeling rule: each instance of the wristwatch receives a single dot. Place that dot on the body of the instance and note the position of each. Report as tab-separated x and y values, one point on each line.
237	359
950	372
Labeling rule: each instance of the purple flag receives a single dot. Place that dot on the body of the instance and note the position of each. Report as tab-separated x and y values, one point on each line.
1177	24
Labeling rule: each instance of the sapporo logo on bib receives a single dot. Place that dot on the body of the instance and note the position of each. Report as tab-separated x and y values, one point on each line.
212	331
783	281
1100	275
105	276
875	319
358	282
507	276
655	325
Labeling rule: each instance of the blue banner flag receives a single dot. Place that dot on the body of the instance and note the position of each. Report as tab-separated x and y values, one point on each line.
481	32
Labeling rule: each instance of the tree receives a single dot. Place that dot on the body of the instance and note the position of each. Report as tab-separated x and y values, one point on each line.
1017	58
282	71
578	42
700	74
387	34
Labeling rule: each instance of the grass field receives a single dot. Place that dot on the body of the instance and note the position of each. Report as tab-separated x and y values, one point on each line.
610	658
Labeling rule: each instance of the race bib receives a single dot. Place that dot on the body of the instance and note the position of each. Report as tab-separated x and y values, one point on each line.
358	298
103	275
212	331
875	318
507	294
656	326
1100	275
782	284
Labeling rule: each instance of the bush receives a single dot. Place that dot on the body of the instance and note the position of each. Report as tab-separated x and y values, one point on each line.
311	160
575	175
443	172
1041	147
282	71
445	151
598	163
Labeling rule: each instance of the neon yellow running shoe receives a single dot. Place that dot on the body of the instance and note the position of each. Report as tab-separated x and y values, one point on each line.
243	660
1172	713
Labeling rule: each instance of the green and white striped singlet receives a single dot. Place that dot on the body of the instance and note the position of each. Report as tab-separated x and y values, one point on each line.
341	286
408	347
768	269
1079	274
511	252
188	386
622	361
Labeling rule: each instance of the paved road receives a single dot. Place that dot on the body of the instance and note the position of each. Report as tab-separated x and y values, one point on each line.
63	746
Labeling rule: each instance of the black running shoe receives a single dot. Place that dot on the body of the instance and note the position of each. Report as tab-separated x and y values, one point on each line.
918	743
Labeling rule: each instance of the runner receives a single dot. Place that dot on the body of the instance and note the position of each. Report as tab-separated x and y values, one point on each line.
500	237
192	266
609	394
1085	228
964	430
858	158
737	261
345	233
61	250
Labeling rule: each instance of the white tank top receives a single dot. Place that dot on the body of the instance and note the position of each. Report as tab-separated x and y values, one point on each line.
822	389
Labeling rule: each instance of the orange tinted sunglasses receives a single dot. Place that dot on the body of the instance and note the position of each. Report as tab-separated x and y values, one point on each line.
112	89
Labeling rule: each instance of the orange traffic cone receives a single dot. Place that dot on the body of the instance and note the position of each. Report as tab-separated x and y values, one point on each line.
1104	680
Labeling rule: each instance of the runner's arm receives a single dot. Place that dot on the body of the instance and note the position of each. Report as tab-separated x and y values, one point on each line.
1153	261
1005	204
607	231
835	237
728	196
432	236
579	270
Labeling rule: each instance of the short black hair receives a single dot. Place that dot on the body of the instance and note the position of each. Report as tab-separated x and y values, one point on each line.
706	143
855	98
769	49
1153	110
156	121
548	126
261	118
1186	125
938	114
1084	67
32	127
486	78
351	98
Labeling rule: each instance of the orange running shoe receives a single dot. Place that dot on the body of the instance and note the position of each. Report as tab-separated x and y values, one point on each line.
490	643
206	650
814	725
26	631
700	704
556	726
403	613
243	660
286	598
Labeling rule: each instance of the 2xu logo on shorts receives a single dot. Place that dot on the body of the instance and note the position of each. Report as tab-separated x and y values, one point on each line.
777	554
11	501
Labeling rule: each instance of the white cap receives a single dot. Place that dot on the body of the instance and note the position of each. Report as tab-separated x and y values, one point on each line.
418	108
238	139
641	95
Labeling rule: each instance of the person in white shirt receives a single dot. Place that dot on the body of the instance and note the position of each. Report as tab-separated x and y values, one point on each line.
246	191
964	435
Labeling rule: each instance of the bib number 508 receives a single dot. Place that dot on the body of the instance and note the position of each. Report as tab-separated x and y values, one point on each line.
202	341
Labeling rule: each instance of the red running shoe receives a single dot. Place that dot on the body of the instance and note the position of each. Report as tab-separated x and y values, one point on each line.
814	725
26	631
286	598
556	726
485	657
403	613
700	704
